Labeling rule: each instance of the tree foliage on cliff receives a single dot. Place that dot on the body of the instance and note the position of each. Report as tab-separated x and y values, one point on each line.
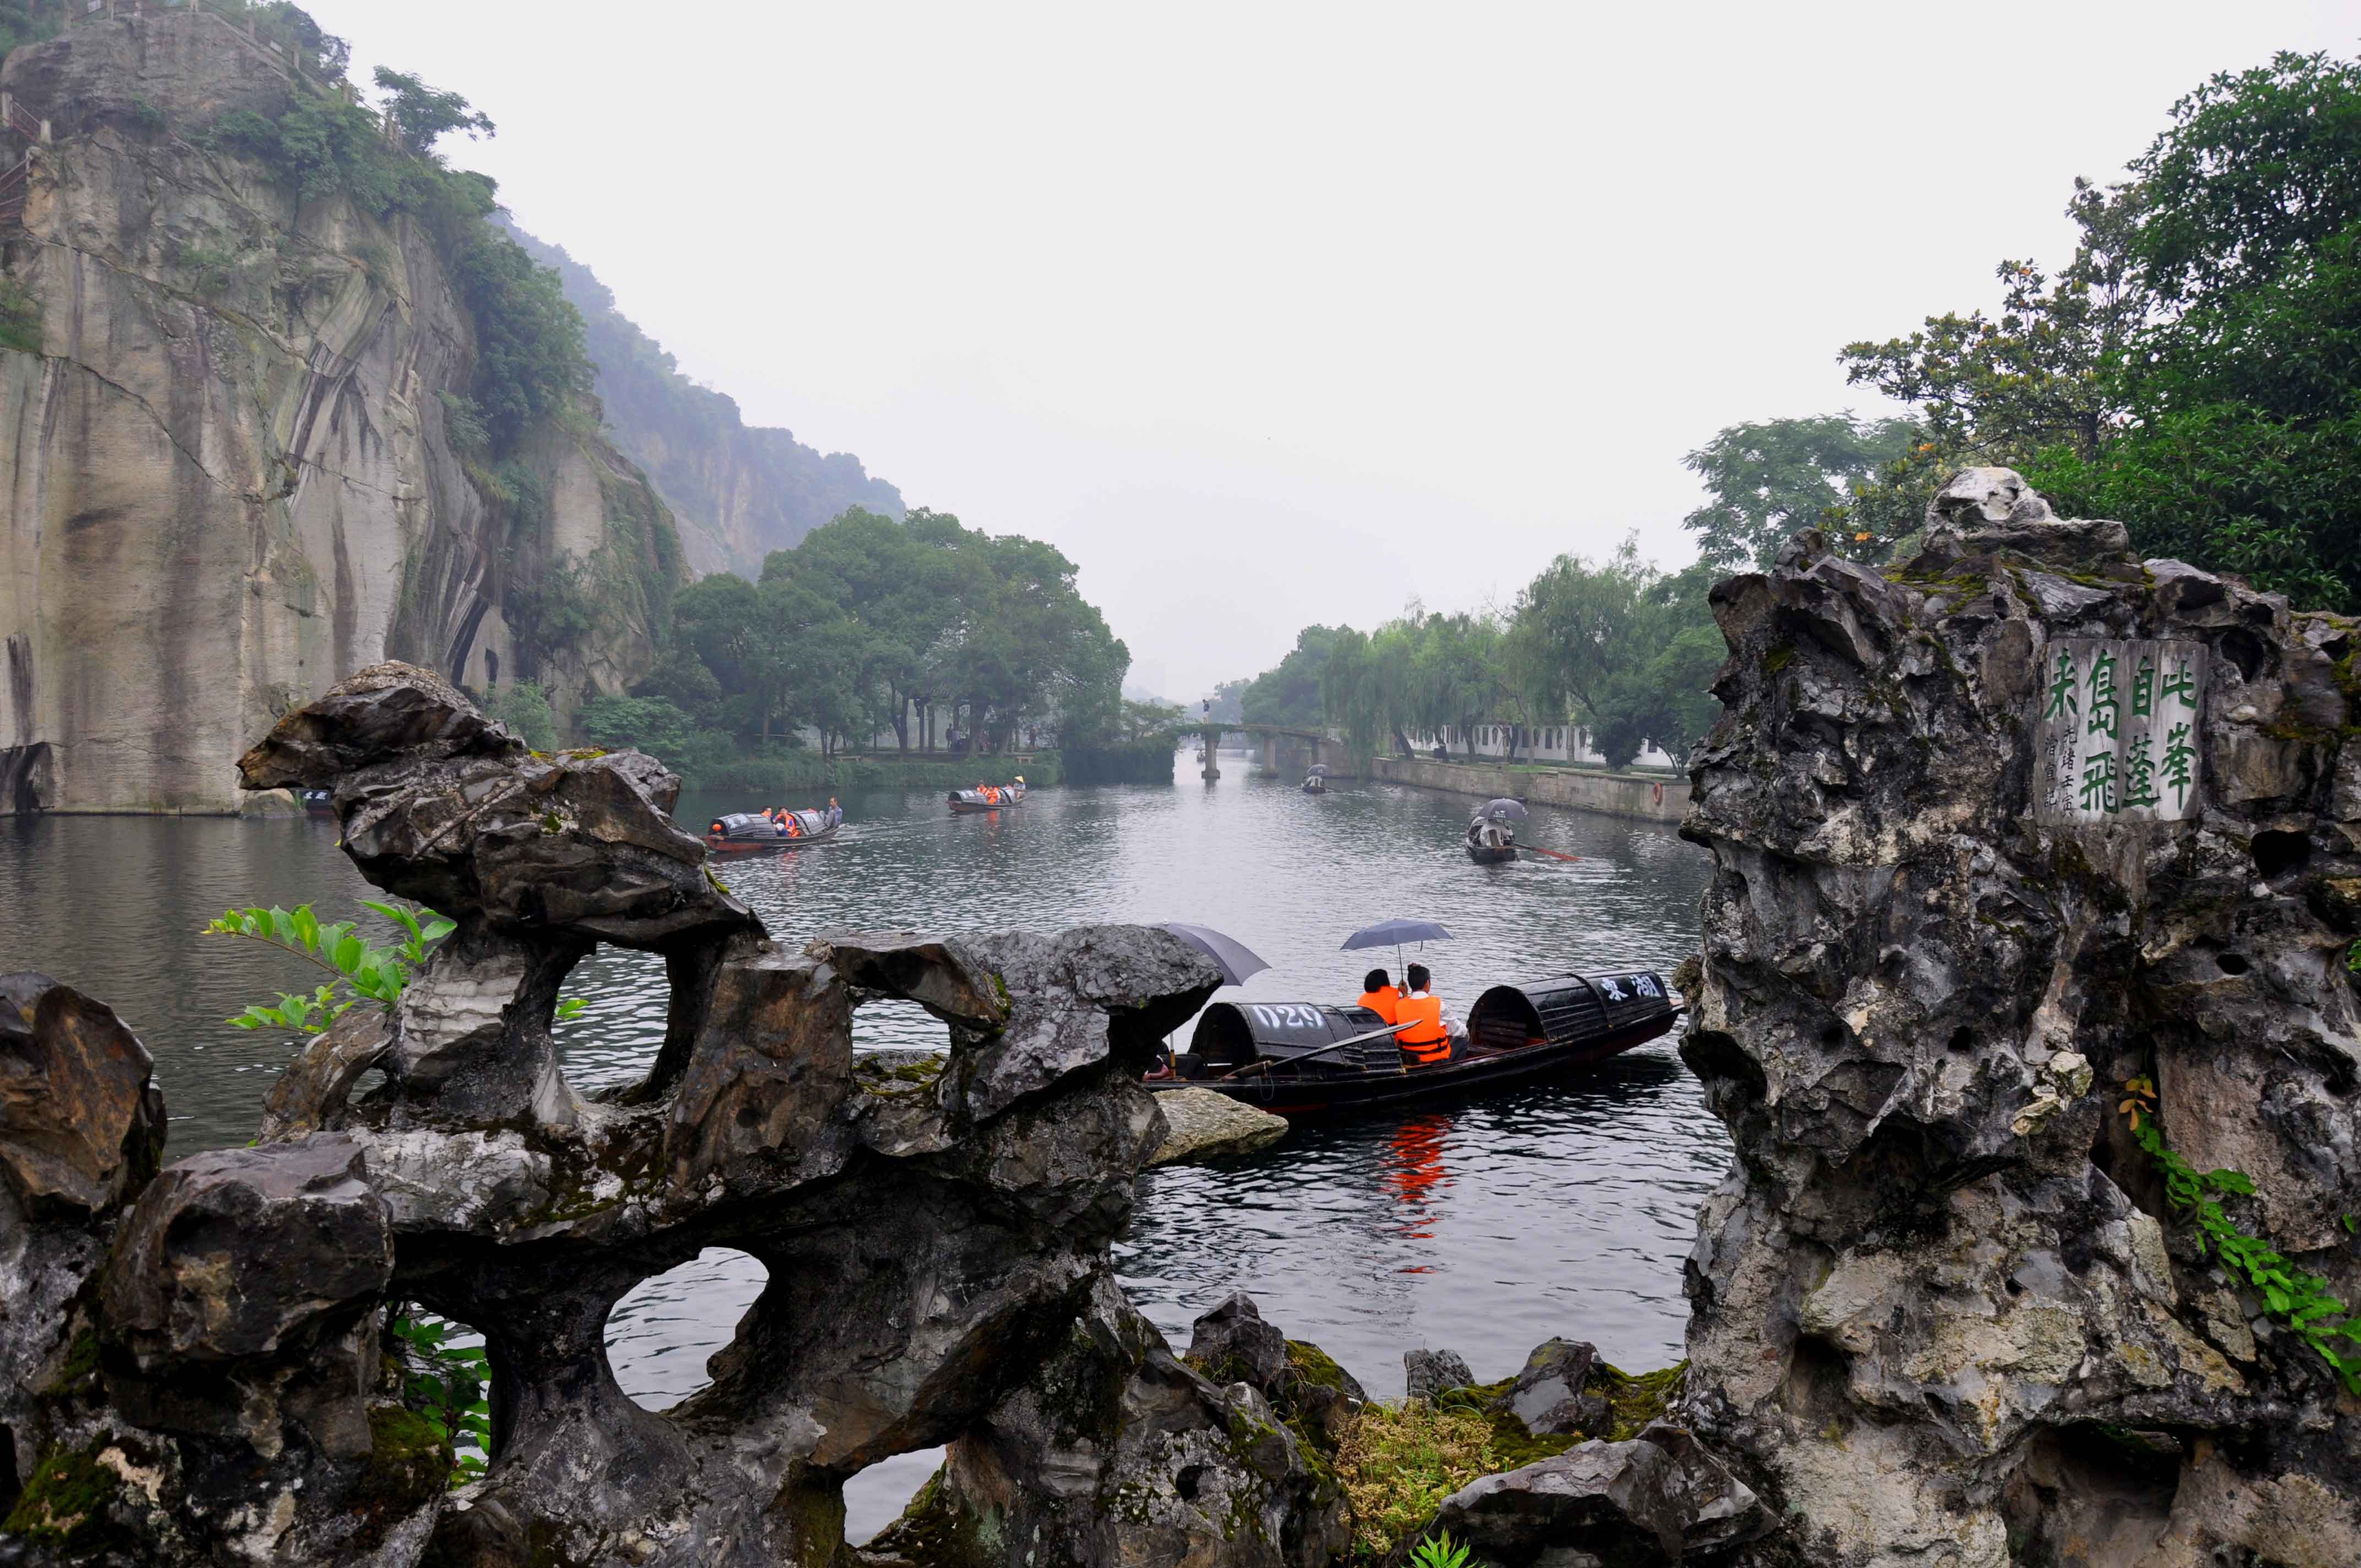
2195	369
871	620
1766	480
529	355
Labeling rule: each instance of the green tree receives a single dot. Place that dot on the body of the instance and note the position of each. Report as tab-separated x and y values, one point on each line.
421	116
1289	693
1766	480
2194	369
1629	647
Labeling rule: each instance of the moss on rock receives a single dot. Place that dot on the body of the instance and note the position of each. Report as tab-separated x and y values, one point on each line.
65	1504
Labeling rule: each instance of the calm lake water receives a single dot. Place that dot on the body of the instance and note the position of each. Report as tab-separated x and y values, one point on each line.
1556	1210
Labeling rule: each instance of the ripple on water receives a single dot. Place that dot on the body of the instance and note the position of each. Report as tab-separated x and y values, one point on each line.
1488	1227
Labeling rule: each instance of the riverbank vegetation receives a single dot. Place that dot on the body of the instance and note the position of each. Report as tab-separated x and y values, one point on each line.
876	625
2193	367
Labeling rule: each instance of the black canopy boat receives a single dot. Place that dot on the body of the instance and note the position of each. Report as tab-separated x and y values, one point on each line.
751	833
1315	780
1492	832
1304	1058
964	801
316	802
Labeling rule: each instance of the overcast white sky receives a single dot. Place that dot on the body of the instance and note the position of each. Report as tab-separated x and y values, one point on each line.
1276	314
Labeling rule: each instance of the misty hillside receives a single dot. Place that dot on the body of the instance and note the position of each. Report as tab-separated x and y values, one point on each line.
737	492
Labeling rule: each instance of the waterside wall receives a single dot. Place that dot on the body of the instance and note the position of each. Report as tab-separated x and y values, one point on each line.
1648	799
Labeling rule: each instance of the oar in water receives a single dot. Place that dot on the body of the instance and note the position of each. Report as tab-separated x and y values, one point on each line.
1553	854
1268	1063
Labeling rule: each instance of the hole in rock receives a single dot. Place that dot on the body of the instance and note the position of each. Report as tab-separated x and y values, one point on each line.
1962	1039
1832	1035
2280	852
609	1042
877	1496
2245	649
8	1488
2232	963
445	1376
661	1334
895	1024
1192	1476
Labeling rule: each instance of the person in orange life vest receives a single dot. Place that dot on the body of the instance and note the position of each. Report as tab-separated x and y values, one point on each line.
1425	1035
1379	995
790	824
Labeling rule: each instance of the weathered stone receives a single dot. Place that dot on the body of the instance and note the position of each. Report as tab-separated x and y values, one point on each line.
1200	1124
80	1125
1433	1371
389	709
1232	1343
1549	1394
1626	1504
934	1227
1117	1452
1941	1261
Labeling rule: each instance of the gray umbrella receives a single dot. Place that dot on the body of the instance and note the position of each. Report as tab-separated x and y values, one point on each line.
1233	958
1504	810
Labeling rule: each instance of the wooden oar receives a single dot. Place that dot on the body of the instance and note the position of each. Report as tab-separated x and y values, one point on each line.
1271	1062
1553	854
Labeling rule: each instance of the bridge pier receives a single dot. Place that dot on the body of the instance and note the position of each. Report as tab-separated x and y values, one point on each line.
1211	735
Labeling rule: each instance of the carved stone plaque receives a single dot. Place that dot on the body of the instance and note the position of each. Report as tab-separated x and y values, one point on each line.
2118	727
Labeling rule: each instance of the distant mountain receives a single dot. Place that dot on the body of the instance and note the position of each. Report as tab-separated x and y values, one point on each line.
737	492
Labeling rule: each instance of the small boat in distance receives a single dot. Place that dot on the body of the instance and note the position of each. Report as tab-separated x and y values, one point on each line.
1315	781
1300	1058
316	802
752	833
1492	832
987	797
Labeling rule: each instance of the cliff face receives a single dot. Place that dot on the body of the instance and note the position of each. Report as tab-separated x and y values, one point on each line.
737	491
1994	835
230	480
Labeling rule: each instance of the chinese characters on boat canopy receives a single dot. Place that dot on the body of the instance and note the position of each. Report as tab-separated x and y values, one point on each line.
2117	727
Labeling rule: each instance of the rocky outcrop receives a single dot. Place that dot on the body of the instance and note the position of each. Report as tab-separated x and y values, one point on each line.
737	491
1120	1453
1200	1124
1993	834
1658	1499
211	1379
232	471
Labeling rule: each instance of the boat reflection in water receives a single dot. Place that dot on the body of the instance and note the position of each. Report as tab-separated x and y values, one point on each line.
1414	1173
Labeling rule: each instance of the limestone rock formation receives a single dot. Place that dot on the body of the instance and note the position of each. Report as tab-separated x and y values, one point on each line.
1118	1453
1433	1371
233	469
1200	1124
210	1379
1658	1499
1994	833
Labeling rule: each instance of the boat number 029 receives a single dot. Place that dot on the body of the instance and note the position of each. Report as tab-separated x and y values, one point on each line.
1289	1016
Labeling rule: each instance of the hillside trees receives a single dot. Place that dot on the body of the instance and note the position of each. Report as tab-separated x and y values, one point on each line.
871	620
2195	369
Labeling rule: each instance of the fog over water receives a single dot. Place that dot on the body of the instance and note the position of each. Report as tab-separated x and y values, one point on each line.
1485	1227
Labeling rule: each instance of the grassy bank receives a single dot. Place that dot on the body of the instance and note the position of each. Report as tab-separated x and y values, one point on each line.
802	772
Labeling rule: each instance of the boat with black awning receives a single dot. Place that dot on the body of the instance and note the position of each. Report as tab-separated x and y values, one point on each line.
989	798
1310	1058
753	833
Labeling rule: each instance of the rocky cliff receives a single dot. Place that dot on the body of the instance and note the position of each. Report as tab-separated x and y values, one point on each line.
229	451
737	491
2025	1002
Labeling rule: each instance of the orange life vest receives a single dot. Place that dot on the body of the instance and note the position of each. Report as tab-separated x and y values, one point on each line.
1424	1037
1383	1002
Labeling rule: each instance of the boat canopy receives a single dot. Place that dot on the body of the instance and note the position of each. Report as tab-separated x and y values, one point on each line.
754	824
1232	1034
1564	1008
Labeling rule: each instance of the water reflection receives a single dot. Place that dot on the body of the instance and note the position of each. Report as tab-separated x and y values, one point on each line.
1486	1227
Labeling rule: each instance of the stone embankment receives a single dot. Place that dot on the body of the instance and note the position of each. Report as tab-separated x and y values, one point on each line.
1640	797
1994	835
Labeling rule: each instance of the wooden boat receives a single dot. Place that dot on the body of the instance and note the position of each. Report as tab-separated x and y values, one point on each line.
751	833
316	802
1315	784
1491	854
964	801
1307	1059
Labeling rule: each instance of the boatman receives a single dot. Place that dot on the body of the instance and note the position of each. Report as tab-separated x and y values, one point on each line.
1379	995
1425	1035
835	812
